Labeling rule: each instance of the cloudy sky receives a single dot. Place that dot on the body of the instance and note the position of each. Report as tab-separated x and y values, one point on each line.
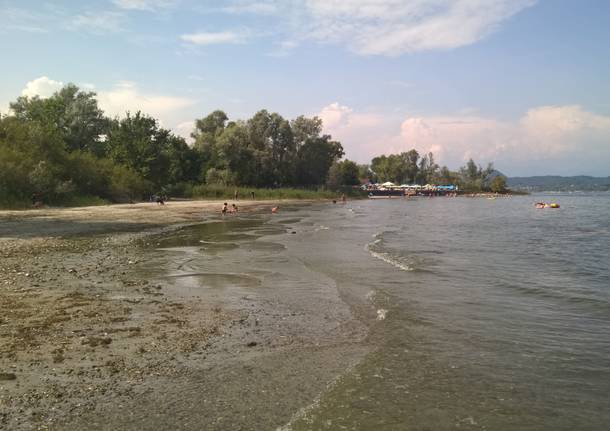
523	83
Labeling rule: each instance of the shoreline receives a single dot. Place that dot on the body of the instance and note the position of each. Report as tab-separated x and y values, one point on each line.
85	331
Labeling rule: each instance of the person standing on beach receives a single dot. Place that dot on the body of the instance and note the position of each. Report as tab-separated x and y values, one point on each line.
252	194
236	195
343	198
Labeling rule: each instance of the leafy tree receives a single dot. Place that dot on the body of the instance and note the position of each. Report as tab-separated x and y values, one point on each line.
344	173
427	170
271	139
474	177
365	173
304	128
160	157
236	154
445	177
72	112
222	177
398	168
498	184
314	159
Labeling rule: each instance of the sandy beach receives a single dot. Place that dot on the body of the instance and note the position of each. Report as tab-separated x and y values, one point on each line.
82	326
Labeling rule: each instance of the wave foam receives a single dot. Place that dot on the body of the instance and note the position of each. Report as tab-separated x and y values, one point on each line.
373	249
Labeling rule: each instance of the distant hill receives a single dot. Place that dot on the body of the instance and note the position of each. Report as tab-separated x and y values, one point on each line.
559	183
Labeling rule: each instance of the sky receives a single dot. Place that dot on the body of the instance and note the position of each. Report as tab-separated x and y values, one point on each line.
521	83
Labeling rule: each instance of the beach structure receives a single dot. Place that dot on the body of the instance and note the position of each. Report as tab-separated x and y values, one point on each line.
391	190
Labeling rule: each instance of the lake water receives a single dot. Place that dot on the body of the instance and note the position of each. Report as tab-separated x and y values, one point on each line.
438	313
497	314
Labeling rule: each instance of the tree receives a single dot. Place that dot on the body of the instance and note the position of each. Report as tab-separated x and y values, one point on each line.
72	112
235	153
315	157
208	129
498	184
156	154
427	170
344	173
271	139
474	177
304	128
398	168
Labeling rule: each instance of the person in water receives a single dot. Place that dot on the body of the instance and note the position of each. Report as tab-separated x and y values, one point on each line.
275	209
233	209
224	208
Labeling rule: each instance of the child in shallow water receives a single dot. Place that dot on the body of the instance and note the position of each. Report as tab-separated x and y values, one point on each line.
233	209
224	208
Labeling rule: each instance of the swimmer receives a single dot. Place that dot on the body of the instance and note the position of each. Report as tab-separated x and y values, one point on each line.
274	209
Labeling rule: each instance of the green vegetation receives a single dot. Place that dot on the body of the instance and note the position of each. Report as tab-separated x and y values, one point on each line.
410	168
245	193
63	150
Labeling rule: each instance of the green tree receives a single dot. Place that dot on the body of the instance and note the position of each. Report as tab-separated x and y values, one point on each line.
343	173
427	169
72	112
304	128
474	177
498	184
237	155
314	159
156	154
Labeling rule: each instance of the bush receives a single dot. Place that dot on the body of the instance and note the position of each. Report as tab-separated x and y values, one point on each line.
207	191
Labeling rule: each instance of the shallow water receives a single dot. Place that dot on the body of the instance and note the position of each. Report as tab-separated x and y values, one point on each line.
481	314
497	315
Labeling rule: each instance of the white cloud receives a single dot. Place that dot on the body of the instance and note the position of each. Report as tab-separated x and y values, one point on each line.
212	38
335	115
144	5
126	96
546	139
98	22
390	27
43	87
185	129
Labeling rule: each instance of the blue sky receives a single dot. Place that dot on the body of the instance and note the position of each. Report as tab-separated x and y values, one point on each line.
523	83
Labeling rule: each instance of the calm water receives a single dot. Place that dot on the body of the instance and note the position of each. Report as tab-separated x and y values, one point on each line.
442	313
489	314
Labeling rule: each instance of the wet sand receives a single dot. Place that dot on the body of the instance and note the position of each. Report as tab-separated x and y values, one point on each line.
96	333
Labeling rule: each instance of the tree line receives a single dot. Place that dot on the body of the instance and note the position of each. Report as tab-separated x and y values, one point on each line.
64	150
411	168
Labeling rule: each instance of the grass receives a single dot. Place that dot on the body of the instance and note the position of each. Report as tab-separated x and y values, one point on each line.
198	192
65	201
225	192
